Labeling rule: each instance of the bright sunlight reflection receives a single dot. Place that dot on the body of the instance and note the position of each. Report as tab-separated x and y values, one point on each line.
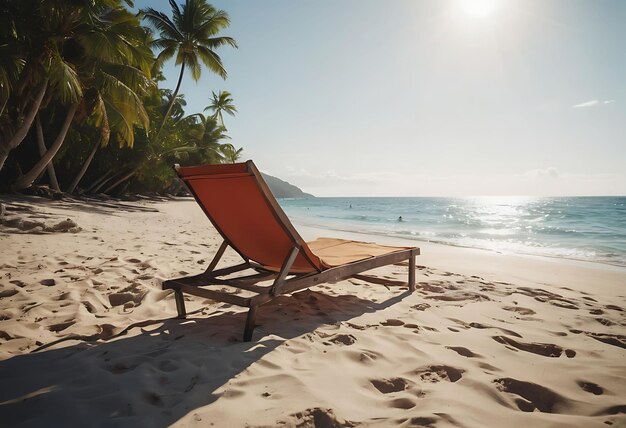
478	8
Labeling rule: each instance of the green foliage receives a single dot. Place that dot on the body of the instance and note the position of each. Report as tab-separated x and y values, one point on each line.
190	36
97	54
221	102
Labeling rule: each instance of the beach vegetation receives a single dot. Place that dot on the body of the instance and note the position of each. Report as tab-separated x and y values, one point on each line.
84	106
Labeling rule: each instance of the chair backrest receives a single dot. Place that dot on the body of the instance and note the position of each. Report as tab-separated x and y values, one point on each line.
243	210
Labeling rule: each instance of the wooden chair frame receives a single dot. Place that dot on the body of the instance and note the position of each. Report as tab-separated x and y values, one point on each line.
284	281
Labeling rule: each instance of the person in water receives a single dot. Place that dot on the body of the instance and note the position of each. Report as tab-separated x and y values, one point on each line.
400	218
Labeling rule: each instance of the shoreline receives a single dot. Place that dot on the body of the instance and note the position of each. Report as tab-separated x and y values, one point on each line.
416	242
529	269
399	240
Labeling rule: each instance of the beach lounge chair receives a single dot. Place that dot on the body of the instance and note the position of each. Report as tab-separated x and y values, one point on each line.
243	210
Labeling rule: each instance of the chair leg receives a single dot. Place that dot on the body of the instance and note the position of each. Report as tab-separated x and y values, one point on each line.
247	333
180	304
412	273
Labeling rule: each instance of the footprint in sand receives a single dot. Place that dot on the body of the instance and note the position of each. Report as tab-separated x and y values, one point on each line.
430	288
544	349
392	322
613	410
590	387
546	296
61	326
438	373
519	310
315	417
118	299
89	306
535	396
481	326
343	339
488	367
464	352
6	336
7	293
387	386
610	339
460	296
422	421
605	321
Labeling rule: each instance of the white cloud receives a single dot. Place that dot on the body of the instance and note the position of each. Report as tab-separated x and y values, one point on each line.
586	104
592	103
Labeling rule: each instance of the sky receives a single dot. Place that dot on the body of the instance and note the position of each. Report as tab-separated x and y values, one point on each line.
426	97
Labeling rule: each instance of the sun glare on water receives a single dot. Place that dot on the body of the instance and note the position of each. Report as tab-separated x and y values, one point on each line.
479	8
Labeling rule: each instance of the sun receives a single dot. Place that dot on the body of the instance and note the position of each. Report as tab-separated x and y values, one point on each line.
479	8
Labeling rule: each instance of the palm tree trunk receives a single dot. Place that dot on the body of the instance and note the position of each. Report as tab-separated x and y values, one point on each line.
96	185
102	140
20	134
171	103
4	104
121	180
42	151
27	179
81	173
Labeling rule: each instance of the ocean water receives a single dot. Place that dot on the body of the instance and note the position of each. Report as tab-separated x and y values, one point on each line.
582	228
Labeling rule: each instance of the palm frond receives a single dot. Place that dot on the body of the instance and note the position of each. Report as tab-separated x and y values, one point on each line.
212	61
194	66
64	80
163	24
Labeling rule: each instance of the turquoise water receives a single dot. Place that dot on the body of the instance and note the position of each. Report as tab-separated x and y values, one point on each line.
584	228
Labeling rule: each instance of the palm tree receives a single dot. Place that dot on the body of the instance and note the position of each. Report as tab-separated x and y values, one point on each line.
116	107
191	36
206	137
197	137
222	102
105	62
45	71
173	137
231	155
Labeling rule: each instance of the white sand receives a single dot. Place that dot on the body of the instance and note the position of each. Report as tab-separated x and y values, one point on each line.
485	340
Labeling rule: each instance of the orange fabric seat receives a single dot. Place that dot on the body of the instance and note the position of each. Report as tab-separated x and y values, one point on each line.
256	226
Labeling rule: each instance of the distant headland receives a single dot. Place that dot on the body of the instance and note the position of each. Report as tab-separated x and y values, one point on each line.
282	189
